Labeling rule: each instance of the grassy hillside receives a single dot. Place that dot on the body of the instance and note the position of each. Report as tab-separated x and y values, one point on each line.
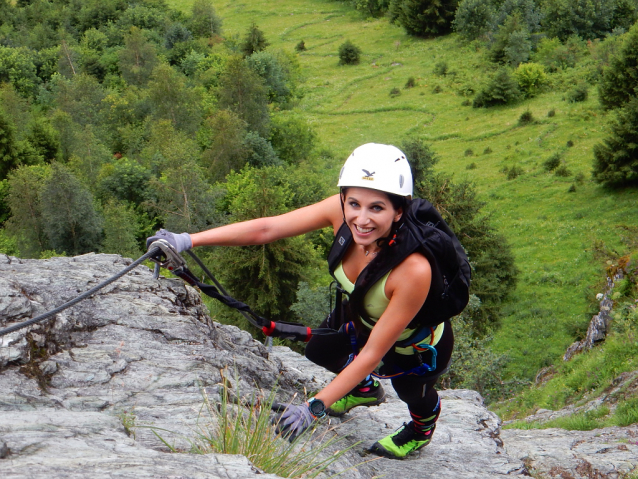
552	230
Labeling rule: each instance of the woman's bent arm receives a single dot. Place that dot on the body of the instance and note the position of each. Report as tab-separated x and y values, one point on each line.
266	230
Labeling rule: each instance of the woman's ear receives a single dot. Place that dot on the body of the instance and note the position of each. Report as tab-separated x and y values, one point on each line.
398	215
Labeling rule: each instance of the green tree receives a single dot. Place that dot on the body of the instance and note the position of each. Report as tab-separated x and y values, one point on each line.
373	8
70	220
81	97
260	151
204	22
138	58
125	180
172	99
120	230
474	18
183	199
243	92
254	41
424	18
26	221
511	43
44	139
275	76
223	136
619	82
9	148
264	276
87	155
616	158
292	137
18	68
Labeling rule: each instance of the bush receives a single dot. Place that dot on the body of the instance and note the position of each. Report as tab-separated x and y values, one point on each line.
620	79
616	158
572	188
514	172
555	55
469	152
577	94
301	46
551	113
440	69
563	171
553	162
501	90
349	53
526	118
569	143
395	92
411	83
466	103
471	166
474	18
487	151
437	89
531	78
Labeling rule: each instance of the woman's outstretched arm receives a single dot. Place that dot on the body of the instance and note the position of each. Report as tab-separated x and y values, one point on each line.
266	230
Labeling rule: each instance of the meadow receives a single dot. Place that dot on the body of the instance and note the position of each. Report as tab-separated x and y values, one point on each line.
560	227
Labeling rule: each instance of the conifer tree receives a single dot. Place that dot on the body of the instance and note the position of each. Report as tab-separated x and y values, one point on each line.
619	82
424	18
254	41
70	220
616	158
501	90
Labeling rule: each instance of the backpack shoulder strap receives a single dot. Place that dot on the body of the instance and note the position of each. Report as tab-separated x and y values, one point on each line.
340	244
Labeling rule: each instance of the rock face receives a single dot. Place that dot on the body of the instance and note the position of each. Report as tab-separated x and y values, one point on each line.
79	392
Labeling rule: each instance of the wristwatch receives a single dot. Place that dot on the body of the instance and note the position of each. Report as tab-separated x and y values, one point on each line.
317	407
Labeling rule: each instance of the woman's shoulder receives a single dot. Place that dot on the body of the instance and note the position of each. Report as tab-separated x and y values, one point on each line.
413	270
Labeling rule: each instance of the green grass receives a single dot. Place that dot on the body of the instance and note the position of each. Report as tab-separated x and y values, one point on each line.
550	229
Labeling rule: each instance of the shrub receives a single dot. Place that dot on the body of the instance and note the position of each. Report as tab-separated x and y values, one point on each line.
471	166
514	172
616	158
531	78
437	89
487	151
474	18
440	69
466	103
526	118
620	79
569	143
411	83
501	90
572	189
349	53
469	152
395	92
511	43
301	46
578	93
563	171
580	178
553	162
551	113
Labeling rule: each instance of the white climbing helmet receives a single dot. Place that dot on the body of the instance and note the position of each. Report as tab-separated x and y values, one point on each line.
379	167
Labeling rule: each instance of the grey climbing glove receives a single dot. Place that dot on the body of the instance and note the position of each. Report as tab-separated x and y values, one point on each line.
292	420
181	242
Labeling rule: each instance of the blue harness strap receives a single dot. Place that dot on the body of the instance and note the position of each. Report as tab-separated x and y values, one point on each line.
420	370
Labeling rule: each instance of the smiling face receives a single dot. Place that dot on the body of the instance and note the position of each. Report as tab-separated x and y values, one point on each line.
369	214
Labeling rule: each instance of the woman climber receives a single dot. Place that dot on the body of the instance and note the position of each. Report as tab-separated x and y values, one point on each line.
380	329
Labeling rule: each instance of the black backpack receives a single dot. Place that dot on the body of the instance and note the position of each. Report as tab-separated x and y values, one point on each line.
423	230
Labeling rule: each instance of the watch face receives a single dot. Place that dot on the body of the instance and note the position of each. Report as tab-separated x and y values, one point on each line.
317	406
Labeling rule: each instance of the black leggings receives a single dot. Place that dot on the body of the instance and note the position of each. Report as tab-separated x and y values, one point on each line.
332	352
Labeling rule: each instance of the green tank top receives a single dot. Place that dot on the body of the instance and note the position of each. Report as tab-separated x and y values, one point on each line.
376	302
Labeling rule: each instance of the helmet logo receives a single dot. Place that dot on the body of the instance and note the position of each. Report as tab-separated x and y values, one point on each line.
401	181
368	176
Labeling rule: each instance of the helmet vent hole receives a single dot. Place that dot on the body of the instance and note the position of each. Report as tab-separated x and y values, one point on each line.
401	181
341	172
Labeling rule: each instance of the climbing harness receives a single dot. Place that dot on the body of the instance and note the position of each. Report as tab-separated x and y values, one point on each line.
165	256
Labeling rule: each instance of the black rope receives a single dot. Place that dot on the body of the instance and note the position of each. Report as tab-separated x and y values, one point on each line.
68	304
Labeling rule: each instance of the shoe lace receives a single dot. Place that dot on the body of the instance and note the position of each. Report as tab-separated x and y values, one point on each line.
405	435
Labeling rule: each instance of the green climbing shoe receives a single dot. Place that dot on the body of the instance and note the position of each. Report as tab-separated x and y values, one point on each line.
375	395
402	442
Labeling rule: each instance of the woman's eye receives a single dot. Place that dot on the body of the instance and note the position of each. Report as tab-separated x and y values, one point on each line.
377	208
354	204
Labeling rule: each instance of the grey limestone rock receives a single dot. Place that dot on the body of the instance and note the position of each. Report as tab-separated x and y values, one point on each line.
80	393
